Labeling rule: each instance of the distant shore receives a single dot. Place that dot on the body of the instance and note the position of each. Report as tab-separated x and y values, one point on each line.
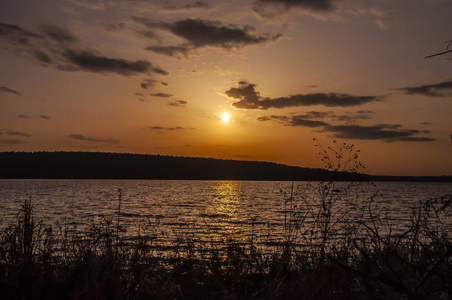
98	165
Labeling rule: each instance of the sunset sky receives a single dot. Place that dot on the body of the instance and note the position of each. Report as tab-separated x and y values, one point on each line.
156	77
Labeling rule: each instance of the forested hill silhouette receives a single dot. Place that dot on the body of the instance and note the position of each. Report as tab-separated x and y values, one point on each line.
98	165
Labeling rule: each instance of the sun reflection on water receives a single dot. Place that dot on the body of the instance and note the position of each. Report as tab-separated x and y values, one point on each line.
223	209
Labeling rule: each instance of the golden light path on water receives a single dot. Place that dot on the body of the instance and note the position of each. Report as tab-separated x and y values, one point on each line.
167	213
223	209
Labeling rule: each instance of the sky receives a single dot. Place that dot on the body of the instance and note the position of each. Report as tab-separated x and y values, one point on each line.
156	77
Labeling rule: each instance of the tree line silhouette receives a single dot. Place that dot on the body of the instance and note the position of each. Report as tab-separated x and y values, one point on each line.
100	165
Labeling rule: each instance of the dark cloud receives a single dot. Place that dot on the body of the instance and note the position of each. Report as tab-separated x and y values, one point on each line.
90	4
385	132
201	33
162	95
166	128
425	123
300	121
94	63
12	142
162	130
16	34
67	68
314	5
269	9
45	117
149	34
441	89
366	111
178	103
351	118
190	6
42	57
347	117
294	121
251	99
24	116
58	47
148	83
15	133
80	137
330	100
173	51
24	43
8	90
58	34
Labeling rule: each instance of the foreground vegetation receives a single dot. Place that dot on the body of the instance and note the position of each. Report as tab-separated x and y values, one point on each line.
331	256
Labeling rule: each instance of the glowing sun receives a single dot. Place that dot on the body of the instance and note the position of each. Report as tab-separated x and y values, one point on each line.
225	117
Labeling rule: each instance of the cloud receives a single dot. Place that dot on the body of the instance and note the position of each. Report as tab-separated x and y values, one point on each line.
351	118
172	51
314	5
80	137
15	133
44	117
441	89
58	34
25	43
178	103
294	121
310	115
59	48
162	95
166	128
148	83
89	4
16	34
200	33
269	9
95	63
149	34
12	142
42	57
162	130
251	99
198	5
384	132
8	90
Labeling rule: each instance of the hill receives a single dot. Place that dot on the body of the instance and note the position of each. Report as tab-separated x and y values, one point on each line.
99	165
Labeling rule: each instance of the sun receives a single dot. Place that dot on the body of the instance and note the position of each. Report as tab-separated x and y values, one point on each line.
225	117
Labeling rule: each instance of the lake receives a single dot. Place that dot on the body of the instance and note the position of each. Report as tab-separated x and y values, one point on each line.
213	210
